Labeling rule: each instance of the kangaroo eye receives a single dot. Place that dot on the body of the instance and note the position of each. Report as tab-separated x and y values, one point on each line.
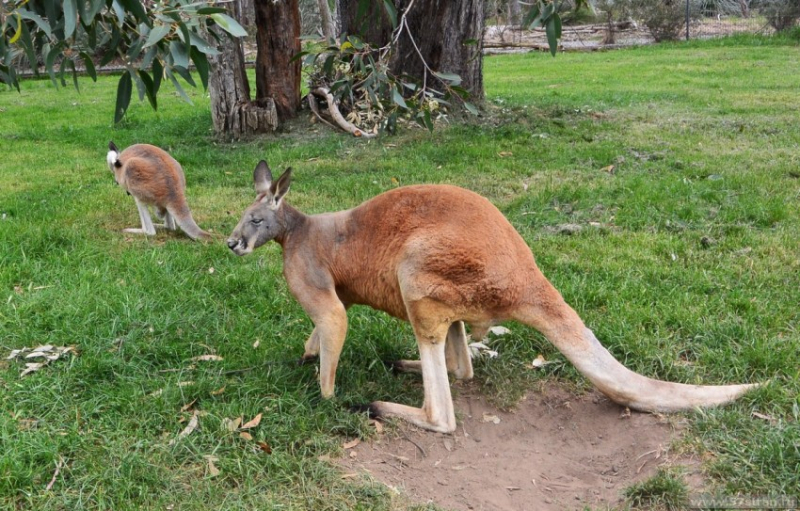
256	221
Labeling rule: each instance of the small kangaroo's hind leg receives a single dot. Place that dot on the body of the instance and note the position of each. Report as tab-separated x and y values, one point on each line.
169	220
144	216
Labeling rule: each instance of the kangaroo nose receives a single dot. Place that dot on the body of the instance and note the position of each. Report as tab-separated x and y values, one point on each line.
232	243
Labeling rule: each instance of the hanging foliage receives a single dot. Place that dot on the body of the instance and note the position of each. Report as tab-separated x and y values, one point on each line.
150	41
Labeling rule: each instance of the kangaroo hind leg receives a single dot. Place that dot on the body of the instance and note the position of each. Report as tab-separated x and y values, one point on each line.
144	217
169	220
456	353
431	326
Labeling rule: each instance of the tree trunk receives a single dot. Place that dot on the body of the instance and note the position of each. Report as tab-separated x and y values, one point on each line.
232	112
326	20
278	39
448	34
514	12
374	27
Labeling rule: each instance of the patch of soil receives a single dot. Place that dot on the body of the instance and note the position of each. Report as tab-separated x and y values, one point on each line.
556	451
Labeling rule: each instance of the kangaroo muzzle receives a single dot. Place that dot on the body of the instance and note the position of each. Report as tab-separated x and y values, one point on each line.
238	246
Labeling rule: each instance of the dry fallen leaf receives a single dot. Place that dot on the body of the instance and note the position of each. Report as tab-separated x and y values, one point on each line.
231	424
538	362
207	358
218	391
377	425
762	416
351	444
448	444
244	435
499	330
188	405
264	446
252	423
193	423
626	413
479	349
213	471
48	352
255	344
504	154
489	417
609	169
31	367
26	424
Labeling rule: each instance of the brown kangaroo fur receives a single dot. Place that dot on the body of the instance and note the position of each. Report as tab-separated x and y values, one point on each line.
437	256
154	178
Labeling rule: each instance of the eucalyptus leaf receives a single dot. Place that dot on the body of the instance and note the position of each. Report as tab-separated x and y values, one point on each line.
202	66
41	23
180	58
229	24
70	17
158	33
552	39
398	98
124	90
89	65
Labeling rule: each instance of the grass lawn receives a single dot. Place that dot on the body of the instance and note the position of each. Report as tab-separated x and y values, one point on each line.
681	165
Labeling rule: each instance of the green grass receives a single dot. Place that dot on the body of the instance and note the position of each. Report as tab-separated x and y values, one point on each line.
665	490
687	268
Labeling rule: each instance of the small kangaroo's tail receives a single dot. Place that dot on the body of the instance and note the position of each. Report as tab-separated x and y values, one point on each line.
113	157
183	217
563	327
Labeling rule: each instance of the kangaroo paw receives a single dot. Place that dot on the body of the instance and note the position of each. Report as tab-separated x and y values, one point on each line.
371	410
403	366
137	231
307	359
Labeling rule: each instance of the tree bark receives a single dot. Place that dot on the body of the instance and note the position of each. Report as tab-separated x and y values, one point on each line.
232	112
374	26
326	20
278	39
444	34
514	12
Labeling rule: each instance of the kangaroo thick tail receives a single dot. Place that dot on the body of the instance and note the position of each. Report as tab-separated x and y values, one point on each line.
562	326
187	224
112	157
631	389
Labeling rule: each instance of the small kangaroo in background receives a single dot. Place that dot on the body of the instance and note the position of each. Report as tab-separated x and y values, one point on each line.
437	256
154	178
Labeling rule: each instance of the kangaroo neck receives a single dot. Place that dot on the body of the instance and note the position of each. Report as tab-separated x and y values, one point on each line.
292	222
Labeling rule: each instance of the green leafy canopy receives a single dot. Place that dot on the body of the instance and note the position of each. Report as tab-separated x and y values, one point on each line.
149	41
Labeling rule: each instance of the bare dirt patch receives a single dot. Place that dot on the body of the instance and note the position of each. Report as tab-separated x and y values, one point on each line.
556	451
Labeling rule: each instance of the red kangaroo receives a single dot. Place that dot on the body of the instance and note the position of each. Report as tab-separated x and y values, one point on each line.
438	257
154	178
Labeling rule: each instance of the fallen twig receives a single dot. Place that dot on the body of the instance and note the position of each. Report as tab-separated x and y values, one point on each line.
59	464
312	104
337	116
424	454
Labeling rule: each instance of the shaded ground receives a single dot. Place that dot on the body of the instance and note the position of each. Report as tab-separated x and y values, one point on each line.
556	451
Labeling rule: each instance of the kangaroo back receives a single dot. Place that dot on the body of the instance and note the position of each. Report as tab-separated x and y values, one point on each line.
154	178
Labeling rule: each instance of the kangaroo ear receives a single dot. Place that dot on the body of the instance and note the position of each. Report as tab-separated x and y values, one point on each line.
262	177
112	147
281	186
